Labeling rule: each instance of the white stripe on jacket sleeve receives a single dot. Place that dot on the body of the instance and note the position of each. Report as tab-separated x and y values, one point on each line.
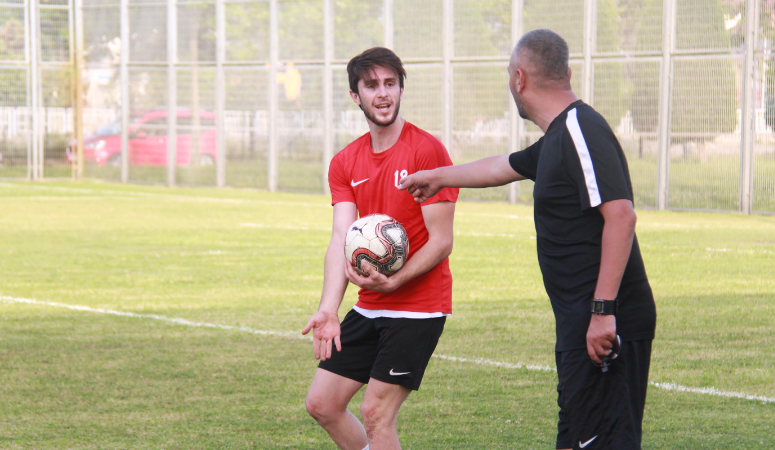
572	122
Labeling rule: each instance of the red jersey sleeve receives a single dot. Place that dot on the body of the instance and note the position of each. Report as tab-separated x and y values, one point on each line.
341	191
431	156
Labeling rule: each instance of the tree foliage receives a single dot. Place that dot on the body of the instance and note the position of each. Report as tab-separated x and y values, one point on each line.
13	84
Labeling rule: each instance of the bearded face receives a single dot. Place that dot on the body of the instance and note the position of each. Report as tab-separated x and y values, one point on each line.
380	97
382	112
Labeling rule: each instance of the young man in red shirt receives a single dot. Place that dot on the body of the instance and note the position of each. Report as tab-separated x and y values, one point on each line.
388	338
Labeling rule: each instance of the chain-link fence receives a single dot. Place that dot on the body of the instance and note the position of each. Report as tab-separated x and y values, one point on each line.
254	93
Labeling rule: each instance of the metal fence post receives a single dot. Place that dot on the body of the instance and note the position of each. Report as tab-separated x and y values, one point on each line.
590	34
387	11
172	94
746	126
448	33
75	83
515	124
328	90
27	86
34	99
78	88
124	76
220	93
665	96
274	54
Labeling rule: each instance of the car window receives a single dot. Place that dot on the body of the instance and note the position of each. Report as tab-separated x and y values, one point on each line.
112	128
186	123
153	128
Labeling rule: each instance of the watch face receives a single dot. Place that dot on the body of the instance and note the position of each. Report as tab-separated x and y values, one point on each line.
598	307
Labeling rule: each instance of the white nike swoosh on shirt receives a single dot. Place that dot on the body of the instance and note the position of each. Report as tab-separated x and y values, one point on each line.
353	183
584	444
395	374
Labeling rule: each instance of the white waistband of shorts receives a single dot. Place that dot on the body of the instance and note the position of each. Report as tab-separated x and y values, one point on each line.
375	313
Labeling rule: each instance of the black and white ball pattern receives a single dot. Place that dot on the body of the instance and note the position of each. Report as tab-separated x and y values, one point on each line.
379	240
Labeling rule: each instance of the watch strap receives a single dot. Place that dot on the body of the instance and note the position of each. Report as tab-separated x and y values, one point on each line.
604	307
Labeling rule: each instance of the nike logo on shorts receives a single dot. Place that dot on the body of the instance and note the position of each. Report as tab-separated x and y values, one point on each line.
584	444
353	183
396	374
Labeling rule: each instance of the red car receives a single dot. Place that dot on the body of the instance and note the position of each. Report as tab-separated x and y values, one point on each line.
148	140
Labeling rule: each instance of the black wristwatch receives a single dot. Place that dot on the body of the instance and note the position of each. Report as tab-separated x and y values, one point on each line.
603	307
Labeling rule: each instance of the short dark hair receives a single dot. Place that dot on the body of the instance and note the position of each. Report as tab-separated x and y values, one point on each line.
361	66
547	53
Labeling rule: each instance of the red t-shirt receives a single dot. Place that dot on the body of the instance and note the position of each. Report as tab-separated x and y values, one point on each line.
370	180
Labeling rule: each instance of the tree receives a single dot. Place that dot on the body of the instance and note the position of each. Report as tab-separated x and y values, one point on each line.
13	90
12	35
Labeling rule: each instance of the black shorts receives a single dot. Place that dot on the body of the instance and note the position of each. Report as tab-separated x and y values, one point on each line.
602	410
394	351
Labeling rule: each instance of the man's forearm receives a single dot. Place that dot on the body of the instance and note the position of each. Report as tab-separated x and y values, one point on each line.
334	280
429	256
615	252
482	173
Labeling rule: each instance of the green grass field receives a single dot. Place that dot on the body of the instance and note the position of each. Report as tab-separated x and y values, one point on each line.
83	379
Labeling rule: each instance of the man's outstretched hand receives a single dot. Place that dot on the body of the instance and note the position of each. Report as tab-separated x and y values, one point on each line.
422	185
325	331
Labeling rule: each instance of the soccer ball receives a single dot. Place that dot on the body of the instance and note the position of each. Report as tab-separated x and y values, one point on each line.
378	240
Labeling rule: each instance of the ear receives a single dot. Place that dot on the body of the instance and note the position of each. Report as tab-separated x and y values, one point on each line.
356	98
401	94
521	80
570	73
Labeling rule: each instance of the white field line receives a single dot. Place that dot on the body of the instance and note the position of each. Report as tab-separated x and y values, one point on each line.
326	205
184	198
477	361
711	391
303	228
489	362
745	251
477	234
174	320
283	227
126	195
69	198
502	216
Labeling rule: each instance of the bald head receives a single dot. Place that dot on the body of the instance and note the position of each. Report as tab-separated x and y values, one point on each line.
543	54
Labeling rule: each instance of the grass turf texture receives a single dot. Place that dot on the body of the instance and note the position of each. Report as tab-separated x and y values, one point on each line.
694	184
82	380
